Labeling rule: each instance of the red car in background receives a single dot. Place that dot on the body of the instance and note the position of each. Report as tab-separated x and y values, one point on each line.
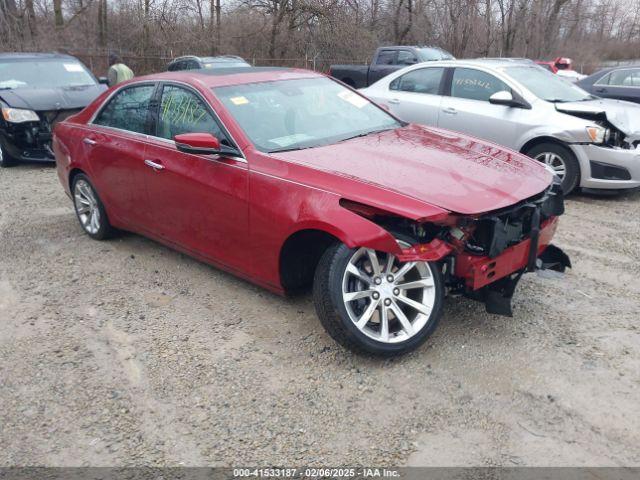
290	180
561	66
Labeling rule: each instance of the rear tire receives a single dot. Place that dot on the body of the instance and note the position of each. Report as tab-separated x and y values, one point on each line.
386	332
89	209
562	160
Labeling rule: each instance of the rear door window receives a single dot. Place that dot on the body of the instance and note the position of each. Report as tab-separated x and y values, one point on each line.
475	84
422	80
128	109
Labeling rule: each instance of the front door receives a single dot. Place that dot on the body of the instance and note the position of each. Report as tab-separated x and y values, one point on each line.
199	201
468	110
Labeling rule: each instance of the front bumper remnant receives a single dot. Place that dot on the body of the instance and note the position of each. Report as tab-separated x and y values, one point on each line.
497	295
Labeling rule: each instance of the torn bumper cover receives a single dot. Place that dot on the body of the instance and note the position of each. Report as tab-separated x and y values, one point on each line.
504	245
497	295
494	280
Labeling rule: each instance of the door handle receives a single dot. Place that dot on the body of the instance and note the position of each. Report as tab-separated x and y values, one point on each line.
88	141
395	101
450	110
155	165
601	89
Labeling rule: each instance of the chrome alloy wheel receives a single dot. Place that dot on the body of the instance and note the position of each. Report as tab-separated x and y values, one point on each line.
388	300
555	161
86	205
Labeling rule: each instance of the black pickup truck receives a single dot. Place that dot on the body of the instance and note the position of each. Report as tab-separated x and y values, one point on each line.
385	61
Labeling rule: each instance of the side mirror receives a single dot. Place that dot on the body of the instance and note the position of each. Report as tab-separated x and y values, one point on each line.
202	144
103	80
503	97
197	143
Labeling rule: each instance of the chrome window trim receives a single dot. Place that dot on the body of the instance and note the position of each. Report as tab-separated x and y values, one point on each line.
160	83
147	140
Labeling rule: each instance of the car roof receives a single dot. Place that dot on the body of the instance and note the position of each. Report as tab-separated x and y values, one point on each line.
233	76
223	58
34	56
491	63
216	58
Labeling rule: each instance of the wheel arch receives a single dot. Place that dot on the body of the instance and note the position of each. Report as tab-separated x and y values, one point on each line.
73	173
582	166
299	256
540	140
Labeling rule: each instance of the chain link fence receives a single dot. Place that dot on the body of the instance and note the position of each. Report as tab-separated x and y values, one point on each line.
98	62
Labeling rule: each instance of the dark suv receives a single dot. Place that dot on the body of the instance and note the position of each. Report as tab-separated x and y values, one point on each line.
191	62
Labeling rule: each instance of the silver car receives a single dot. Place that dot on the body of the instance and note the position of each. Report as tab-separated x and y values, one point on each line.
590	142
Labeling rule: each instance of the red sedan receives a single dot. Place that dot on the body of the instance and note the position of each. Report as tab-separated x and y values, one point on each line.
291	180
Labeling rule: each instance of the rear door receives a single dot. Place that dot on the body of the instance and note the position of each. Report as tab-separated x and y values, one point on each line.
114	144
199	202
623	84
468	110
416	95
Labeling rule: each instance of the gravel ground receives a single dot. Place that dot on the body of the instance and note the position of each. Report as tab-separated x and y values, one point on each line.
127	353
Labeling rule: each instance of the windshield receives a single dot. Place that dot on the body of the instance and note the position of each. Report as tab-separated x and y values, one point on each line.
546	85
429	54
295	114
44	74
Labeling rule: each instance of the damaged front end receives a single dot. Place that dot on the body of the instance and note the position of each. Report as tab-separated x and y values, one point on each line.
29	137
485	257
616	125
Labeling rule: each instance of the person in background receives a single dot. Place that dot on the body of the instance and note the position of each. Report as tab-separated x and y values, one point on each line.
118	71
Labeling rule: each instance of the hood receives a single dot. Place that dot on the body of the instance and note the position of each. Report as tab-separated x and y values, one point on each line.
458	173
625	116
43	99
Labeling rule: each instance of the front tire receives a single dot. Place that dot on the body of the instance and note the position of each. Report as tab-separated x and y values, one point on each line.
371	303
89	209
6	160
562	160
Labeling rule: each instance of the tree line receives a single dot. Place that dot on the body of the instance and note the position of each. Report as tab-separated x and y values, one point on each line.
315	33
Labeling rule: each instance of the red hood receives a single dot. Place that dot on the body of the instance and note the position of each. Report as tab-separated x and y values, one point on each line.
445	169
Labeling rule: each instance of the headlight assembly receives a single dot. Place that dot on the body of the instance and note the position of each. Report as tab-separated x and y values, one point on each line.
19	115
596	133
